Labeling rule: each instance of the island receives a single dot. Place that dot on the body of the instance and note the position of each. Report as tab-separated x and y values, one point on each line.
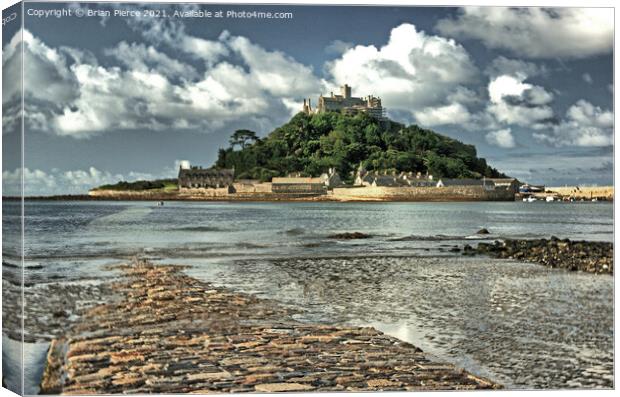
344	150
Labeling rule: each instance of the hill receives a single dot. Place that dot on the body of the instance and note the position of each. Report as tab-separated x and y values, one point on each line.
311	144
161	184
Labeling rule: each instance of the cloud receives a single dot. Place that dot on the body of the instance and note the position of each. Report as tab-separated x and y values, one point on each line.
72	94
273	71
502	138
512	101
563	167
338	47
142	58
587	78
416	70
536	32
56	182
514	67
48	80
584	125
454	113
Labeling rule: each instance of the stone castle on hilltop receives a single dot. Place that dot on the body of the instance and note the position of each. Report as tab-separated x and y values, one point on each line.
345	103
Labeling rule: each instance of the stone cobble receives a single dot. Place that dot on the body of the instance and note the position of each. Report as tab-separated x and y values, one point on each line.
171	333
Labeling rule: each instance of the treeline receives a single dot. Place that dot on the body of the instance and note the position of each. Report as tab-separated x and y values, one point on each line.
311	144
139	185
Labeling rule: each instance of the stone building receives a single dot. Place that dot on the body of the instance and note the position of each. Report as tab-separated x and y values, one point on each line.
331	179
510	184
385	179
209	178
345	103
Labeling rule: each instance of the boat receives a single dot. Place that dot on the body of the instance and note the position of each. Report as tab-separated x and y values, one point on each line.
531	199
549	199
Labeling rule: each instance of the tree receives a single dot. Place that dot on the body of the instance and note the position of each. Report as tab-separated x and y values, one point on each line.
311	144
241	138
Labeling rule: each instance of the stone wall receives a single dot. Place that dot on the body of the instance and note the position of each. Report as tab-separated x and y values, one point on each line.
252	187
155	194
205	192
262	191
453	193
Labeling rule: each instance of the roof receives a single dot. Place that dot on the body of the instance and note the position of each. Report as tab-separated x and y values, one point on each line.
196	171
388	180
502	180
296	180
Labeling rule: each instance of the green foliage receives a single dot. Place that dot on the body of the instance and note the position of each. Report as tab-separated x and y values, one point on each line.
311	144
141	185
242	138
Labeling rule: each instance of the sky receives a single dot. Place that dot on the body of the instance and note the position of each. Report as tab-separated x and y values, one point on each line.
111	98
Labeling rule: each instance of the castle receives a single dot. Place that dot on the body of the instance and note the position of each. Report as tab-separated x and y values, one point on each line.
347	104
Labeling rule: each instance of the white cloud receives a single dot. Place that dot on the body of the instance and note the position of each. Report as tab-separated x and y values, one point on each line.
587	78
71	94
56	182
536	32
415	70
142	58
584	125
208	50
273	71
338	47
512	101
454	113
502	138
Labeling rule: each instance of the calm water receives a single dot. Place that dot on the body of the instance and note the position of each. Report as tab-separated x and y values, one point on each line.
521	324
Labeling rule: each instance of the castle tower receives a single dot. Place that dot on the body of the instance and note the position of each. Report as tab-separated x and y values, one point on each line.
345	91
307	108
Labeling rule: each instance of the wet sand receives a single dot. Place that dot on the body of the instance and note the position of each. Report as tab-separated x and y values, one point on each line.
523	325
166	332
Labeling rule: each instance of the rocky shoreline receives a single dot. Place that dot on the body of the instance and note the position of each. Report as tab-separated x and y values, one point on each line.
171	333
585	256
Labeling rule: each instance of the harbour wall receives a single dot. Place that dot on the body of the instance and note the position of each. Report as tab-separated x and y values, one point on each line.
460	193
261	193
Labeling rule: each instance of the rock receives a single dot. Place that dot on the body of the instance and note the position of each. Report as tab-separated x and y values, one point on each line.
282	387
588	256
208	376
382	383
349	236
483	231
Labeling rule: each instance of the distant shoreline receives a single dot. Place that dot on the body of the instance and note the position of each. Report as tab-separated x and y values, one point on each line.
156	198
345	194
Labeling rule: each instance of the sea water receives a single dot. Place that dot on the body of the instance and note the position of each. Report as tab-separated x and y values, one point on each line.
521	324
